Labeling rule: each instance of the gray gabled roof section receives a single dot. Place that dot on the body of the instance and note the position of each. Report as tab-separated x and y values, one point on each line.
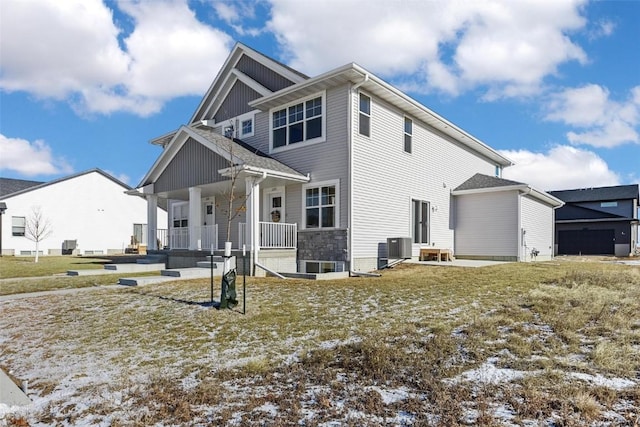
10	185
65	178
618	192
480	183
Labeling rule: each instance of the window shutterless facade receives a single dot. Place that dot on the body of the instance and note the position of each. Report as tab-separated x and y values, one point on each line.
321	205
408	134
365	115
18	225
297	123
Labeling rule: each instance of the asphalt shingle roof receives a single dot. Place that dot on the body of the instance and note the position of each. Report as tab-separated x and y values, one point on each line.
485	181
619	192
10	185
250	156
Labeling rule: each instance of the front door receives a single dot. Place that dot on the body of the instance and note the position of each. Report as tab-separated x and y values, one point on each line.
208	234
274	211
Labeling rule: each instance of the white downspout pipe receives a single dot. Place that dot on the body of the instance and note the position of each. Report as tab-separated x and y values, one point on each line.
255	218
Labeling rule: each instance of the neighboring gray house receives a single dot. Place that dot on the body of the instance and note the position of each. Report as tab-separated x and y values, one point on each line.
598	221
327	169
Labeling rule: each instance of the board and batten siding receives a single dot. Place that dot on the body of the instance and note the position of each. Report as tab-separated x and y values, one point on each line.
536	218
487	225
236	103
193	165
324	161
386	179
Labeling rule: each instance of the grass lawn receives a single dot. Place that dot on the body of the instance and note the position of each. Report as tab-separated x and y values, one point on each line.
22	274
549	343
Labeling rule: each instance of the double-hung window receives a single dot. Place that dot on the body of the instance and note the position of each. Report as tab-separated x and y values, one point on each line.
297	123
180	215
365	115
408	134
321	206
18	225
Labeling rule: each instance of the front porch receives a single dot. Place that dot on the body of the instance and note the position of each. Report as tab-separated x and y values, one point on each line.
272	235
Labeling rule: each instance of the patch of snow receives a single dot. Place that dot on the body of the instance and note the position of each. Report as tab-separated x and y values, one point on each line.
269	408
487	373
391	395
613	383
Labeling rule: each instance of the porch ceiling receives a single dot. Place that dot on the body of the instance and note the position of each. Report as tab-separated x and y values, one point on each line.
221	188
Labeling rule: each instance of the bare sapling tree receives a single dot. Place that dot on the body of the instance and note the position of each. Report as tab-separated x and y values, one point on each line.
231	195
37	228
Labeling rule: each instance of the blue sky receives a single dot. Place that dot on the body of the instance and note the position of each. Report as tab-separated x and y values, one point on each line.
553	85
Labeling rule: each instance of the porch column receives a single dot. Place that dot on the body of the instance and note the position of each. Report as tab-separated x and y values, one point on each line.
152	221
253	218
195	217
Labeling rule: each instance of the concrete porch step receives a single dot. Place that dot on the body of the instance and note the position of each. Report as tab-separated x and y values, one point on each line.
153	259
144	280
192	272
135	267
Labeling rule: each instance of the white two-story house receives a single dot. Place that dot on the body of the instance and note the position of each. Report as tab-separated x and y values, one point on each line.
325	169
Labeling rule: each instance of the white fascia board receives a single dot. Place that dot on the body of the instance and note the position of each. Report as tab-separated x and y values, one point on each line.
356	74
250	82
522	188
302	85
252	170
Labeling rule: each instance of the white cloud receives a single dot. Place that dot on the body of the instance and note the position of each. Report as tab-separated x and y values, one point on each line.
562	167
69	50
30	158
507	48
600	121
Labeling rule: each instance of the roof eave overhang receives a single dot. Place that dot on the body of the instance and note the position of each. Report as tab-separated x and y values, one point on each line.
253	170
354	74
521	188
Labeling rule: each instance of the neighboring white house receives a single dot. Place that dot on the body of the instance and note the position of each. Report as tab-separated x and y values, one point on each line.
90	210
329	169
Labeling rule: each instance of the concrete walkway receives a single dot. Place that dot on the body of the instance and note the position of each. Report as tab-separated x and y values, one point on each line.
10	394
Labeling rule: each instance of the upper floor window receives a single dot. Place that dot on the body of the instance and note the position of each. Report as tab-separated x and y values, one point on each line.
321	206
246	125
608	204
300	122
408	134
499	171
365	115
18	225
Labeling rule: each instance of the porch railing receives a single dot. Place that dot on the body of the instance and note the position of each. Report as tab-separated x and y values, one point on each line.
179	238
208	236
278	235
162	235
273	235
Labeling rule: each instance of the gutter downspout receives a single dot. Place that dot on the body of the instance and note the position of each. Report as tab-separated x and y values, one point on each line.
352	90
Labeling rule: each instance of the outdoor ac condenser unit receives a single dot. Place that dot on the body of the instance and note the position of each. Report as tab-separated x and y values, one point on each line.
399	247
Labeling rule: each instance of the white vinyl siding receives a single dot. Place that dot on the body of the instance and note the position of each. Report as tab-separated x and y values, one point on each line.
487	224
537	220
386	179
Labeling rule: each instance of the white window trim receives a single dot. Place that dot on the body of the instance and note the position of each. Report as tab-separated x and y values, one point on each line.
303	220
336	264
244	117
303	143
175	205
429	221
405	134
370	114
